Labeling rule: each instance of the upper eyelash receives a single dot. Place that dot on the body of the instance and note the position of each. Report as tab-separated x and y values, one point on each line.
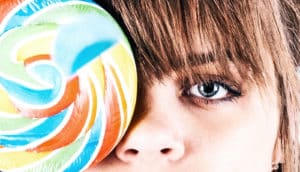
233	89
230	89
222	80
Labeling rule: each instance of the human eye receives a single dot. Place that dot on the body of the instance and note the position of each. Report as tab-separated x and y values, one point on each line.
211	91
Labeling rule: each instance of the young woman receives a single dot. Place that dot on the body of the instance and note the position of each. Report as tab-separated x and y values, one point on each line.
218	86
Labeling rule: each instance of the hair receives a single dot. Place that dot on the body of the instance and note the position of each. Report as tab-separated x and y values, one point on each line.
251	34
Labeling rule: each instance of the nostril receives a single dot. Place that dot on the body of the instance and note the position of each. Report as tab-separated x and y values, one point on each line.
131	152
174	153
165	150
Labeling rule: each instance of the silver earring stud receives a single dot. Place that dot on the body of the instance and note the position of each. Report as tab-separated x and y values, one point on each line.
275	166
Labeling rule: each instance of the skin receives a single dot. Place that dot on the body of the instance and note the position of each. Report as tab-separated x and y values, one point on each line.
189	133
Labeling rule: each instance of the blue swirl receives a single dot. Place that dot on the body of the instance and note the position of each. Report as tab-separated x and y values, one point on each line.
29	9
85	41
89	149
34	134
45	72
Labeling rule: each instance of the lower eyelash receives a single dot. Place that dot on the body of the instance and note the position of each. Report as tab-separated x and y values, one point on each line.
200	101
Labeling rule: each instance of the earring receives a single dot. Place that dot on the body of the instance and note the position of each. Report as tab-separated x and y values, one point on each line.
275	166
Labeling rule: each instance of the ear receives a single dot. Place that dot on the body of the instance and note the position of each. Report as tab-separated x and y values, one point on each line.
277	152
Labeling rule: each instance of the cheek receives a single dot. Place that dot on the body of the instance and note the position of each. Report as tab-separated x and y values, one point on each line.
241	134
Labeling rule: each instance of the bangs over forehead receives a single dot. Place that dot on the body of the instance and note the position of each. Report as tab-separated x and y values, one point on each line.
174	36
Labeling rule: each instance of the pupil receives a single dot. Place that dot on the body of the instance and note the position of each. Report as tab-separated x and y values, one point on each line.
208	89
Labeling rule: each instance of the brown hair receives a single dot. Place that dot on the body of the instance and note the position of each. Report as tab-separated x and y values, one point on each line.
163	35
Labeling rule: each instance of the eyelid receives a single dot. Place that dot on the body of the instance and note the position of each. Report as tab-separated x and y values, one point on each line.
233	88
223	80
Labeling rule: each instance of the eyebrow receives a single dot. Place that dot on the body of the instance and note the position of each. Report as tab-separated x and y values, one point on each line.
197	59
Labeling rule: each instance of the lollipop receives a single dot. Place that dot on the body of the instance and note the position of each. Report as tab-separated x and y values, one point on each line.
67	85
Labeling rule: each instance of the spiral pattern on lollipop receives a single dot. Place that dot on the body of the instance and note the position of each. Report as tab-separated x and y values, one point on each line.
67	85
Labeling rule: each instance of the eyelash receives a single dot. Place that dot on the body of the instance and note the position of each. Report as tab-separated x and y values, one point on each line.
233	92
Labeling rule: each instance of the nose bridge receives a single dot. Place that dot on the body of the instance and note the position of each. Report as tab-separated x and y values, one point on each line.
161	118
161	114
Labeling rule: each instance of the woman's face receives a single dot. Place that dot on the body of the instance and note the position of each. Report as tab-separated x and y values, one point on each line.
210	126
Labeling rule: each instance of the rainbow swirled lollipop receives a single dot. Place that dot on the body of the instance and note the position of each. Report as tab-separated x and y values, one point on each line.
67	84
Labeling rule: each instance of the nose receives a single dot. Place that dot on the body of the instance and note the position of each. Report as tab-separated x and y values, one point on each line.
158	133
148	142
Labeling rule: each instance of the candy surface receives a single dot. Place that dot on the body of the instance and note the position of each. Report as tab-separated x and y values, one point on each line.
67	84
